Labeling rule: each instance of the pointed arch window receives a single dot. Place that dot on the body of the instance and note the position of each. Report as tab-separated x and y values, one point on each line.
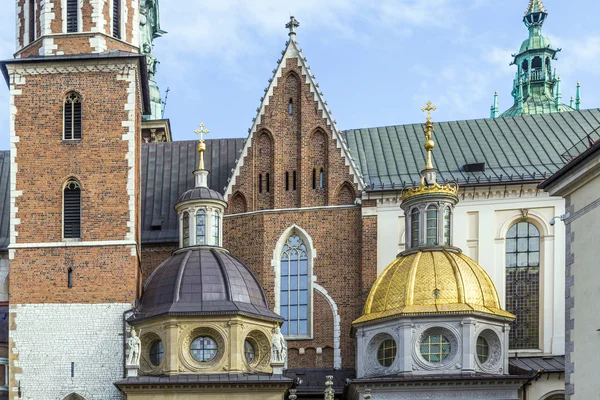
72	210
291	108
72	116
72	16
321	179
201	227
186	229
414	227
523	284
294	288
216	228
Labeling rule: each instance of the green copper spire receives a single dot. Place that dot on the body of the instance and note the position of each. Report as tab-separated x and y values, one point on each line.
578	97
536	90
150	30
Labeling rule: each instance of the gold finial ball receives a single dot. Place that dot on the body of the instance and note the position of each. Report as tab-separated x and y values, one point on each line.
429	145
201	146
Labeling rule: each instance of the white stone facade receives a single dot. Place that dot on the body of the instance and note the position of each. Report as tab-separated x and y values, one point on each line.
47	338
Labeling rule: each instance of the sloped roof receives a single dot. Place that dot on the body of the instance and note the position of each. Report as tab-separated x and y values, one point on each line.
167	173
4	200
514	149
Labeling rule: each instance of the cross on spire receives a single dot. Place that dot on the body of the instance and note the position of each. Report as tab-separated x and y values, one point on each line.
201	132
429	108
292	25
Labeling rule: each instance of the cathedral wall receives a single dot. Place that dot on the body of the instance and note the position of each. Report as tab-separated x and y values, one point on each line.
303	141
254	238
58	349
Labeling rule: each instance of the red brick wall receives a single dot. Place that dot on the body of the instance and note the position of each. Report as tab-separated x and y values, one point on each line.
264	171
295	148
153	256
336	235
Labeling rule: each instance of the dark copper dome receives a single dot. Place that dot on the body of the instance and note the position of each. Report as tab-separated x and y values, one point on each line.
203	281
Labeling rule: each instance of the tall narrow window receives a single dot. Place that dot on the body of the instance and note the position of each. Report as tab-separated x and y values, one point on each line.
201	227
216	228
32	20
432	225
117	19
447	227
268	182
72	16
314	181
321	179
294	293
70	277
72	210
259	183
414	228
291	108
523	284
294	180
287	181
186	229
72	116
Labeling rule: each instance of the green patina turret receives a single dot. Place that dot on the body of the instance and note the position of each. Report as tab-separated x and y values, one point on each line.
150	30
536	88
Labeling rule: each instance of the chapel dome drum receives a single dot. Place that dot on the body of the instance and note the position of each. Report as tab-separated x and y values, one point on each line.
432	281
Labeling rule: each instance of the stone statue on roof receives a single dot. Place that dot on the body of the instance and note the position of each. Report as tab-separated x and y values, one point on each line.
150	30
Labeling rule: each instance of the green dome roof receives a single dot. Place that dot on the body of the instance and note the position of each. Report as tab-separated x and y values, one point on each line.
535	42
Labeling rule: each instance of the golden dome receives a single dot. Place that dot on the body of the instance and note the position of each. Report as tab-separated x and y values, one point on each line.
439	281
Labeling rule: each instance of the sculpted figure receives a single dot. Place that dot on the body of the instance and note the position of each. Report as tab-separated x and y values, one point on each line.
134	345
279	347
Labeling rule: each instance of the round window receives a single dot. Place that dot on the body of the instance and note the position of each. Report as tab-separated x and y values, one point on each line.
249	351
435	348
483	349
203	349
156	353
386	353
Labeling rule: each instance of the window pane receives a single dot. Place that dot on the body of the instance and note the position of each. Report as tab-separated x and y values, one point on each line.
511	260
293	313
284	328
511	245
294	265
522	244
303	297
303	312
294	283
284	286
303	327
293	297
522	229
284	267
293	328
522	259
304	266
304	282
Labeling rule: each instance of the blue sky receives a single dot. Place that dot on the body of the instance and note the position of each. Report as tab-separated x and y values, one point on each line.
377	62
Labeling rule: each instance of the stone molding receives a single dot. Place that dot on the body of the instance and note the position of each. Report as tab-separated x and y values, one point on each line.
337	351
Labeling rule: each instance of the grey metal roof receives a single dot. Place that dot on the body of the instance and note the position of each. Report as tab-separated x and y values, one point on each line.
200	193
4	200
540	363
167	172
203	280
514	149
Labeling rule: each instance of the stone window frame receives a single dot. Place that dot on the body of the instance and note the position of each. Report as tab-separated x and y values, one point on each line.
262	350
372	365
148	339
73	97
453	336
215	333
276	264
495	346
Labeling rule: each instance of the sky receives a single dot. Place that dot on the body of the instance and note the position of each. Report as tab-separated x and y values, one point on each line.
377	62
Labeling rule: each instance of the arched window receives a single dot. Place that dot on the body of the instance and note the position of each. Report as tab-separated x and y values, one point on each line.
259	183
294	295
291	107
414	228
72	116
216	228
117	18
72	16
432	225
186	229
447	227
525	66
314	178
201	227
321	180
72	210
536	63
523	284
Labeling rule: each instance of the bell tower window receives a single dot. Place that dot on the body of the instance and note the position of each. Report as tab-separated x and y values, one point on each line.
72	117
72	16
117	19
72	210
32	20
414	228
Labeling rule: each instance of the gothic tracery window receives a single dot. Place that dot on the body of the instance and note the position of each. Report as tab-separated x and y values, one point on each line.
294	288
523	284
72	116
72	210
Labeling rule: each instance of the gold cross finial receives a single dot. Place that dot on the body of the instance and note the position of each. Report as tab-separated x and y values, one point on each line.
429	108
201	145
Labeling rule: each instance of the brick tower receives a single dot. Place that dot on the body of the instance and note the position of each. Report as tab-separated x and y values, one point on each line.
76	111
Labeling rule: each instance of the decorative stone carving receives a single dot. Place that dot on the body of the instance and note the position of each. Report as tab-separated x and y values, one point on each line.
134	345
329	392
453	336
367	394
292	395
372	365
279	347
